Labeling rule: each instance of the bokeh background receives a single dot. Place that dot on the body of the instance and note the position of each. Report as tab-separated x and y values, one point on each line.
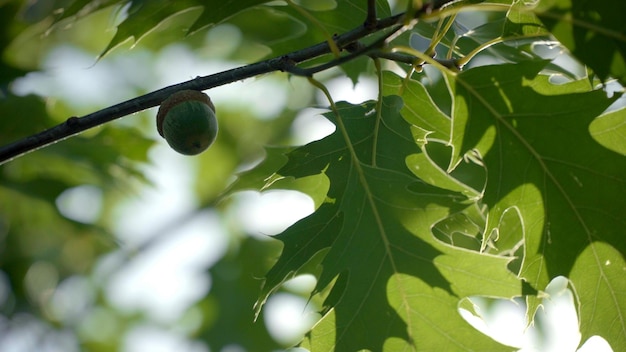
112	241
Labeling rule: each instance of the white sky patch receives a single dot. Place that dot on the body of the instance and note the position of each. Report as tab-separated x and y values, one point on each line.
288	317
171	275
505	322
74	76
154	208
82	203
270	213
342	89
151	338
168	278
310	126
301	284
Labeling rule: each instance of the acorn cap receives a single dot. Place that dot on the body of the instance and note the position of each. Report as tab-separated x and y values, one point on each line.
177	98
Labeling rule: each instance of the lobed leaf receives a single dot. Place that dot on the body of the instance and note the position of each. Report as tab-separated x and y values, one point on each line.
543	164
144	16
372	239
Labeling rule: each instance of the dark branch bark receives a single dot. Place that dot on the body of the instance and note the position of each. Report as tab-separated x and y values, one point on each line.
371	19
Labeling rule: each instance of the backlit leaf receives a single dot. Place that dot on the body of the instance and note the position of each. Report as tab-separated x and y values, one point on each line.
594	31
543	164
388	270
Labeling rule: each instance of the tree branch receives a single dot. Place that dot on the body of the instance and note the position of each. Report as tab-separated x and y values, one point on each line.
370	20
286	63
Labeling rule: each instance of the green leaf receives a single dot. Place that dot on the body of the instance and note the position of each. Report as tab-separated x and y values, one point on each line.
284	28
9	70
345	16
610	130
594	31
144	16
543	164
419	108
387	271
216	11
31	111
81	8
264	177
260	175
600	286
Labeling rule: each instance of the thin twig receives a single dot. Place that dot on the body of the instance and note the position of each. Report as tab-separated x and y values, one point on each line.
370	20
412	60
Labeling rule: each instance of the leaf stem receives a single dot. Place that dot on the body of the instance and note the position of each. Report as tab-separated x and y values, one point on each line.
465	59
379	108
440	33
450	65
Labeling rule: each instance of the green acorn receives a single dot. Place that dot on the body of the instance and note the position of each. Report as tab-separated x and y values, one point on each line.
186	119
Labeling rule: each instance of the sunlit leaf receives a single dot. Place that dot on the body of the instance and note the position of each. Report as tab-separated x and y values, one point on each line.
593	31
543	164
216	11
374	235
610	130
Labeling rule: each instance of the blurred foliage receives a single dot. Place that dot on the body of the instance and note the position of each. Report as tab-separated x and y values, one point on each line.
42	249
494	180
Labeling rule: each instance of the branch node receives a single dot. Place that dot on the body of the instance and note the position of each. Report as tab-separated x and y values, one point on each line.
72	122
354	46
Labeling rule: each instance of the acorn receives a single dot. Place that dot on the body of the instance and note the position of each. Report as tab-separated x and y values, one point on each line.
186	119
